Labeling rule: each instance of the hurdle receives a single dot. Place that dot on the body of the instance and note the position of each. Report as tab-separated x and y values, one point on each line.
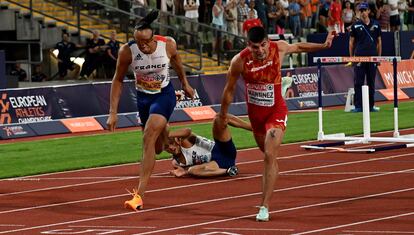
341	138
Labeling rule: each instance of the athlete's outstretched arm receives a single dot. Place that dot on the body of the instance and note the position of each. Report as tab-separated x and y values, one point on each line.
305	46
124	60
177	65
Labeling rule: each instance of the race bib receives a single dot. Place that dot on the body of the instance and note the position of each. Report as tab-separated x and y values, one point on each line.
260	94
149	83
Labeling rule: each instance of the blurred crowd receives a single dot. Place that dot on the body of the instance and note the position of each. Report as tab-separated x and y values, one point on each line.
299	16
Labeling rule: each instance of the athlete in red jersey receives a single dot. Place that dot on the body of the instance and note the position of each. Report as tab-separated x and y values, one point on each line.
259	65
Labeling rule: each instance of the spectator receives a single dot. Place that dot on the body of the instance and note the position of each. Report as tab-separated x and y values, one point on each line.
394	15
272	16
410	15
93	58
402	10
252	10
178	7
112	55
373	7
218	23
305	15
294	17
335	17
191	13
281	20
261	12
65	48
348	15
323	16
19	72
242	15
231	16
383	15
314	8
138	7
38	75
251	22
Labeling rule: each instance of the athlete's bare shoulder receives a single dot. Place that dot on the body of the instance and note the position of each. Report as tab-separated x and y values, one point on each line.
236	64
125	53
171	46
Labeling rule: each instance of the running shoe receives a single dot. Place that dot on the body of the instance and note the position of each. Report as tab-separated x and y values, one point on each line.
263	214
375	109
135	203
233	171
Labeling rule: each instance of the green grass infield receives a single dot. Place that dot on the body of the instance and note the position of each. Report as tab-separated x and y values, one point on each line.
77	152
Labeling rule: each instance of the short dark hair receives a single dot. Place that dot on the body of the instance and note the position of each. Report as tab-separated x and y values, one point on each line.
256	34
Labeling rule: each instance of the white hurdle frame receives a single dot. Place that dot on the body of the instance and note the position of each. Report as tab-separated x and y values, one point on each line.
366	138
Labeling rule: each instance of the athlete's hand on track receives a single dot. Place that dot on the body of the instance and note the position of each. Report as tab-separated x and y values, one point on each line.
112	121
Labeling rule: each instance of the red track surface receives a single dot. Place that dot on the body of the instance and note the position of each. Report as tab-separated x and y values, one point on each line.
317	193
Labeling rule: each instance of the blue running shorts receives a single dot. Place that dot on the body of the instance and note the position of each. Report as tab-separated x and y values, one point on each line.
162	103
224	153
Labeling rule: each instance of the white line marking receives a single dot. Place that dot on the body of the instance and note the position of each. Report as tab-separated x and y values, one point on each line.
378	232
162	175
94	226
344	173
221	181
12	225
223	199
280	211
112	180
252	229
357	223
135	163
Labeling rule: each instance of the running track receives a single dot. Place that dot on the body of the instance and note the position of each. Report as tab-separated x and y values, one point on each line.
317	193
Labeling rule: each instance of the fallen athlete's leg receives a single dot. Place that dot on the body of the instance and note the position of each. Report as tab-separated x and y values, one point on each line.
238	122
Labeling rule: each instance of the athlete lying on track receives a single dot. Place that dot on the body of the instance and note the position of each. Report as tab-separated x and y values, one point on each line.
198	156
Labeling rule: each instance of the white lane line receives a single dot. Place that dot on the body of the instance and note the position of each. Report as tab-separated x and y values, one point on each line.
124	227
161	160
378	232
72	178
357	223
217	200
343	173
221	181
12	225
280	211
112	180
162	175
251	229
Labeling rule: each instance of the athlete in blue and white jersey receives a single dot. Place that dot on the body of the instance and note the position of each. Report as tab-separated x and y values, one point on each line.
198	156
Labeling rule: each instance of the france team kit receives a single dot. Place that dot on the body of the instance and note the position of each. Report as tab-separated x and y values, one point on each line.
155	93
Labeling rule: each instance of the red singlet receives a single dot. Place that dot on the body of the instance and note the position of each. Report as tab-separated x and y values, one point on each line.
265	104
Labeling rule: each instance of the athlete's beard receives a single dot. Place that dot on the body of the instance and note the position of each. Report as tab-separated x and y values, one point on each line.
261	56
